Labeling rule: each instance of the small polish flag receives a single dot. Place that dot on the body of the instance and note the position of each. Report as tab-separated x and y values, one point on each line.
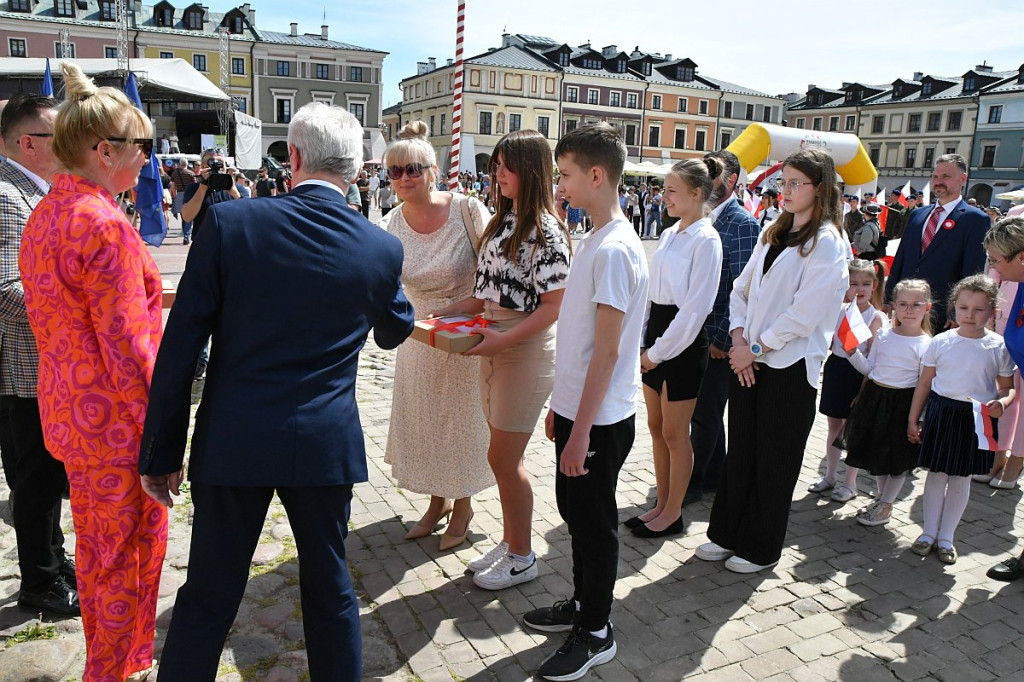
983	428
883	217
853	330
749	202
904	194
927	193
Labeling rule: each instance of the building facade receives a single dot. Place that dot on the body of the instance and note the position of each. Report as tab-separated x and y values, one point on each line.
664	107
267	74
997	163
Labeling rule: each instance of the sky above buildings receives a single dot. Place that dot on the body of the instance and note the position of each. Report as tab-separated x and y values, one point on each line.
775	47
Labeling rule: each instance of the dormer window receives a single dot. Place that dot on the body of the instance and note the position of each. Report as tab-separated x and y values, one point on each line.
647	69
64	8
970	84
684	73
563	59
1020	77
897	92
591	63
849	96
620	66
194	20
926	89
20	6
234	21
108	10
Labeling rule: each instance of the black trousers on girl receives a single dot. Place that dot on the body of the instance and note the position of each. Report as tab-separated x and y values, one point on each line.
768	428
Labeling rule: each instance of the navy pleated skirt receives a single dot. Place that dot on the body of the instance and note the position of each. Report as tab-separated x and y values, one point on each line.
949	444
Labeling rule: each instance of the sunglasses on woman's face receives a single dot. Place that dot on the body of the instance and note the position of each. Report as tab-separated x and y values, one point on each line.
413	170
145	145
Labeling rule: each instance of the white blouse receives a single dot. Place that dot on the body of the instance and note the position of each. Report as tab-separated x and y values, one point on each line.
967	368
684	272
894	360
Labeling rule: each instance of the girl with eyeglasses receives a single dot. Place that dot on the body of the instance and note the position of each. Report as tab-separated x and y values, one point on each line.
98	326
520	278
437	437
782	311
876	437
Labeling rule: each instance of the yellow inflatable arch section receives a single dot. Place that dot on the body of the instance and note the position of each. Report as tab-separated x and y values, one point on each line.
763	141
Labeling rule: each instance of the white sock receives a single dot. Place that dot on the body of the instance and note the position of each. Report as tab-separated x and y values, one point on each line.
880	482
893	485
525	558
958	491
934	494
600	634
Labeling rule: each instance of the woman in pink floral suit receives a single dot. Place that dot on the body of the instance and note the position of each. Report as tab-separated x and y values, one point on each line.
93	296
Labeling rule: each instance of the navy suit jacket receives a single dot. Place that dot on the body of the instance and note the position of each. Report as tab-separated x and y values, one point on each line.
953	254
289	287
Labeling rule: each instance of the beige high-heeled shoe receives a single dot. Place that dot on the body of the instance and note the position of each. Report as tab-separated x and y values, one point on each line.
450	540
421	531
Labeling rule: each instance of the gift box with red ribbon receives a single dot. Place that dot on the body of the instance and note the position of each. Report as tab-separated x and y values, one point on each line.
453	334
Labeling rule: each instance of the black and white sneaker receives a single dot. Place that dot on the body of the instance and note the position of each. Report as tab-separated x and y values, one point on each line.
580	652
559	617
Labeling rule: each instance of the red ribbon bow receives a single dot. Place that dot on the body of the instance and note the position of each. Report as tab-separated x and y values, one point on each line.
439	325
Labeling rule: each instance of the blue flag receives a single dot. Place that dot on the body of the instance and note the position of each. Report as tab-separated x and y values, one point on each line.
149	193
47	86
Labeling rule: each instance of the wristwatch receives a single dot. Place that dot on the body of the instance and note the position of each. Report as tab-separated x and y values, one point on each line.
757	349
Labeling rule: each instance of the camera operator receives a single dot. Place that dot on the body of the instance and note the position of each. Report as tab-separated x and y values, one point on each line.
215	184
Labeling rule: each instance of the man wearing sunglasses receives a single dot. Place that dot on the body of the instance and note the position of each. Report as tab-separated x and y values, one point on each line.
201	195
47	575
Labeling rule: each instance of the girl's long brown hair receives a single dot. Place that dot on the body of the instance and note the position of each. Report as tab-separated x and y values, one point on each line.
527	154
821	169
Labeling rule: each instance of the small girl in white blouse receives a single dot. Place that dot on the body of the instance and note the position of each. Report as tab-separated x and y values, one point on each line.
963	364
684	282
876	437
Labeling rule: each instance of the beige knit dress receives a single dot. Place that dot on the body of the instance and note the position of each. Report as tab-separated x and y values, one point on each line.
438	437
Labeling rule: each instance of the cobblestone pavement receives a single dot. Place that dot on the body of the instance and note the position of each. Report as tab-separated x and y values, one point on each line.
846	602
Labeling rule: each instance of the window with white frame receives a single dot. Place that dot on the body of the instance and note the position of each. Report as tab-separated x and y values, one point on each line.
283	109
615	99
238	66
58	51
700	143
109	52
484	123
631	100
515	122
199	62
358	109
543	125
702	107
680	141
166	55
654	136
656	102
681	105
572	94
593	95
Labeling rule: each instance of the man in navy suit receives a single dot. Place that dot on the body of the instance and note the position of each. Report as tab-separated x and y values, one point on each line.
289	287
738	230
941	243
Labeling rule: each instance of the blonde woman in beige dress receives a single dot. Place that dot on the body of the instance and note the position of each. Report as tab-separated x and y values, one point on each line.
438	437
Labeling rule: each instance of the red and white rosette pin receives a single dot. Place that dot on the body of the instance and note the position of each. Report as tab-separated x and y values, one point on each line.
948	224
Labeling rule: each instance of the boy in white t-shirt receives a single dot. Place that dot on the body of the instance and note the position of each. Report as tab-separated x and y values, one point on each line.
593	403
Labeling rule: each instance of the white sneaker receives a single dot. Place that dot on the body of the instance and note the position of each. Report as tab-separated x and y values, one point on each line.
506	572
710	551
489	559
738	565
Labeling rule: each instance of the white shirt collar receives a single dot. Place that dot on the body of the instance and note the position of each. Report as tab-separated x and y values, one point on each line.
321	183
44	186
947	208
713	216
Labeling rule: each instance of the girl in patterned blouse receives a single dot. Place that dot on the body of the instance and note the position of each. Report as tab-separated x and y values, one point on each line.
520	277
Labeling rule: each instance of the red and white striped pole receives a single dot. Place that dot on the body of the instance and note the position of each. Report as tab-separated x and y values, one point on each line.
453	172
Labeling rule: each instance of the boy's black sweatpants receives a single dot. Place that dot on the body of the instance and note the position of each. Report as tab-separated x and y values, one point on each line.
587	505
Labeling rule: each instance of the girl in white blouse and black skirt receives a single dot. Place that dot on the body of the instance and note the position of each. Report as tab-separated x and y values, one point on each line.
684	283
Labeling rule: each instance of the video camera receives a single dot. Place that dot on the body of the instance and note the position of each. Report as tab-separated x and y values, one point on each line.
218	180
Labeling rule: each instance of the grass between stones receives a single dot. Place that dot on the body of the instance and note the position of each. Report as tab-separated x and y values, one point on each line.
36	630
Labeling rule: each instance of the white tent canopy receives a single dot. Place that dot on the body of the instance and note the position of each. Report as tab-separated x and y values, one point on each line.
169	80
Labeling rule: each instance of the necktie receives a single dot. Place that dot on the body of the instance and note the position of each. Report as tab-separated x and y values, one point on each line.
931	228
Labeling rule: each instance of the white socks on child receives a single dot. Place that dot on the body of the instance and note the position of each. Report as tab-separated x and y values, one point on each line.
945	499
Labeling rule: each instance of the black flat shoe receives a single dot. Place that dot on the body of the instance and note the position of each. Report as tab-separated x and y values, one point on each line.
642	531
1007	571
61	599
633	522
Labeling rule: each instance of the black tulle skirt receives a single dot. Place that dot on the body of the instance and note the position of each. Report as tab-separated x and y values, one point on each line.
876	432
949	444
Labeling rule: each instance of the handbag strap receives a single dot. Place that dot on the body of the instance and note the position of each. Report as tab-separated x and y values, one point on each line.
467	221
